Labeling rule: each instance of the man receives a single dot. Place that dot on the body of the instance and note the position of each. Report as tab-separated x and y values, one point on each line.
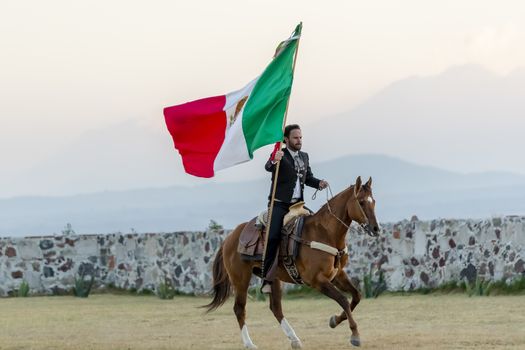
294	173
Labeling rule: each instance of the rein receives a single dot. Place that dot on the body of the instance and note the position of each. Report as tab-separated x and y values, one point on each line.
328	205
314	196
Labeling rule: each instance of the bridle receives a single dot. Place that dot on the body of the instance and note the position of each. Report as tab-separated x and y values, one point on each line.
329	196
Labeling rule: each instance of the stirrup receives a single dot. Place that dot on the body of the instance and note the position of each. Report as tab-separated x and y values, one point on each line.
266	288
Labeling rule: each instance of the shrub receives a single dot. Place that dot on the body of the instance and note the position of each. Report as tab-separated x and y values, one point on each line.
450	287
23	291
83	286
299	291
479	287
165	290
68	230
373	288
214	226
517	286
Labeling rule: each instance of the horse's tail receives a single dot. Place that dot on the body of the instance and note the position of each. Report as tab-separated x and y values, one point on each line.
221	283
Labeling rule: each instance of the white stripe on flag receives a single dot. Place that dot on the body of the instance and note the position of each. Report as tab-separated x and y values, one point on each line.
234	149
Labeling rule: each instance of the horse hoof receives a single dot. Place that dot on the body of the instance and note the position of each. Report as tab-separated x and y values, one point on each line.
250	346
332	322
355	341
296	344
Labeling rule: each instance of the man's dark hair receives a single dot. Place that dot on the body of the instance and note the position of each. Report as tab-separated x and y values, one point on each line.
289	129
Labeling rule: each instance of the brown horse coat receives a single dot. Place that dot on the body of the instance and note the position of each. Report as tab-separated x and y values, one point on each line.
318	269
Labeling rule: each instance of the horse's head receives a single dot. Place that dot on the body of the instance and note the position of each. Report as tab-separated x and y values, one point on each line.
367	202
353	208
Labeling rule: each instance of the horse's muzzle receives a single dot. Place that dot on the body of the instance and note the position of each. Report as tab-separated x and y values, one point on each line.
372	230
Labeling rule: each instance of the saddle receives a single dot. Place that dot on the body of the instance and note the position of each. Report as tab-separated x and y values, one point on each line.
252	238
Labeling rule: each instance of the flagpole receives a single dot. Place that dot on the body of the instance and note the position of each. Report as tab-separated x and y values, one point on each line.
272	200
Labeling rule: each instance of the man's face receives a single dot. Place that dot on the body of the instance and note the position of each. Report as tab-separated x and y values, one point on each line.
295	140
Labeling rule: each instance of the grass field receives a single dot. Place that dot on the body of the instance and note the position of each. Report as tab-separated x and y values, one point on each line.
146	322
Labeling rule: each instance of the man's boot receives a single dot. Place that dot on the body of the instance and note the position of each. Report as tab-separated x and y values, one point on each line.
266	287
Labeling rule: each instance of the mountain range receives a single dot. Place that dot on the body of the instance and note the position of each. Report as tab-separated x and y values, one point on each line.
465	119
401	189
128	176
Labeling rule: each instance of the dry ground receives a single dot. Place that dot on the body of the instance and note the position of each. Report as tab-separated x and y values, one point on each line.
141	322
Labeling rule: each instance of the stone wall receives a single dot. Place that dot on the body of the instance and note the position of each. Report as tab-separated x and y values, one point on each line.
412	254
129	261
415	254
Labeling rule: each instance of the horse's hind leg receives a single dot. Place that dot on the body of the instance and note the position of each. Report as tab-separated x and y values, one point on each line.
328	289
343	282
239	307
276	307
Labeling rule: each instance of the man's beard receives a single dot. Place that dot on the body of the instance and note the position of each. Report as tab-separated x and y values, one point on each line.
296	147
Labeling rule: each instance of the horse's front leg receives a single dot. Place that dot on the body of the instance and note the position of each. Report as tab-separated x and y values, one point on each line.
276	307
343	283
327	288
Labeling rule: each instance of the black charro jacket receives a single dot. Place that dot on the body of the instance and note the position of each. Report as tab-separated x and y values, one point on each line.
288	177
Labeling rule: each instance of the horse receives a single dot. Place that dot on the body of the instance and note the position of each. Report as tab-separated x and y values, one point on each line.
319	269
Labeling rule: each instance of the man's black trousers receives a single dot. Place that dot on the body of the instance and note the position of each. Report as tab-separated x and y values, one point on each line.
280	209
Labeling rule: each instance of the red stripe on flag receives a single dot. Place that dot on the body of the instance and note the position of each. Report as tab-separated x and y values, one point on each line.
198	130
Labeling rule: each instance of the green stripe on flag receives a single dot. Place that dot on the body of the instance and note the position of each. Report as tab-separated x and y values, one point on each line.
263	115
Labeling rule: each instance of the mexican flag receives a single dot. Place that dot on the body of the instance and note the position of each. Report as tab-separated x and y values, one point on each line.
218	132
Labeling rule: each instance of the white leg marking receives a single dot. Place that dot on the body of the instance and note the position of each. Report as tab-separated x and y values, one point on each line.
247	341
290	333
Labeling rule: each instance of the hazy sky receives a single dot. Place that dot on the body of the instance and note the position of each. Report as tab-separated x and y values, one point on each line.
67	67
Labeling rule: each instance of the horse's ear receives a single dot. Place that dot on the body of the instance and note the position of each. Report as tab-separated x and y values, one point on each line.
357	186
369	182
